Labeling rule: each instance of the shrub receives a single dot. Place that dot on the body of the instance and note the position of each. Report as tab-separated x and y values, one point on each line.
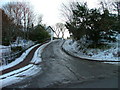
18	48
99	46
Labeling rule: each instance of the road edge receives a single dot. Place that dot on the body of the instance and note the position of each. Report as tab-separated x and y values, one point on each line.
73	55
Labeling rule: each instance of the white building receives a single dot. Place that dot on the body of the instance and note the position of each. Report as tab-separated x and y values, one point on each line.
50	31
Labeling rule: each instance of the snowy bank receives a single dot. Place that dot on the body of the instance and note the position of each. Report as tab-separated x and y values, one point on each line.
18	60
18	75
7	49
23	73
4	49
37	56
107	55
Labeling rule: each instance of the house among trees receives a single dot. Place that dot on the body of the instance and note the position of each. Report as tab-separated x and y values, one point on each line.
50	31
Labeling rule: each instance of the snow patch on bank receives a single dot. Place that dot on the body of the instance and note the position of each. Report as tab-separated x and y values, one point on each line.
18	60
4	49
18	75
37	56
93	54
23	73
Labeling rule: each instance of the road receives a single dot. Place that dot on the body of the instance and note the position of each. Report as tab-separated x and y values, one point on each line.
61	70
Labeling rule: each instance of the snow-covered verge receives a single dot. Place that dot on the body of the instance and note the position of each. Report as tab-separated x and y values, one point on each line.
23	43
37	56
72	48
27	71
18	60
4	49
18	75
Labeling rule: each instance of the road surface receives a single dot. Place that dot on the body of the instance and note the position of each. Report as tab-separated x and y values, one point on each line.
61	70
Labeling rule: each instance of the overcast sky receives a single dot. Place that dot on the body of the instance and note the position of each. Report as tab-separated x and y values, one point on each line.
50	9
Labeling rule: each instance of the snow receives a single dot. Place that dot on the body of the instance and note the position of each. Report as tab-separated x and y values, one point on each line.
18	60
7	49
22	42
92	54
37	56
19	75
15	72
4	49
27	71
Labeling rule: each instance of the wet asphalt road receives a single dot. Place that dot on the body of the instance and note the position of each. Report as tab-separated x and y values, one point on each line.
61	70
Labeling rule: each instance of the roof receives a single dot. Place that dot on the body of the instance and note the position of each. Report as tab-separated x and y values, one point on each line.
50	28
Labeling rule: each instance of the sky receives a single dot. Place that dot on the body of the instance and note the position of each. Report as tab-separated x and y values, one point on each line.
50	9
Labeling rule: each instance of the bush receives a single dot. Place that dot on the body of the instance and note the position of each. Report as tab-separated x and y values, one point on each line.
99	46
5	42
116	54
39	34
18	48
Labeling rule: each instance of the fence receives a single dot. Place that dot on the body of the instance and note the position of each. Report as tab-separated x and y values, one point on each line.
7	58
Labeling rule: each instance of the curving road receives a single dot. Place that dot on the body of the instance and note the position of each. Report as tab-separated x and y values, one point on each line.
61	70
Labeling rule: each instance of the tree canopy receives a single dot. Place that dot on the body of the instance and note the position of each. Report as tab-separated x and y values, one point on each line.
92	23
39	34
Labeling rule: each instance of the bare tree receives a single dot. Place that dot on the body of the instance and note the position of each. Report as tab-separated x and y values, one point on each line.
116	5
111	5
59	29
21	13
39	19
62	28
7	29
104	5
67	10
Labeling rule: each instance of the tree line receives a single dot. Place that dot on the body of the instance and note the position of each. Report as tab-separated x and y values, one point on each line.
94	24
18	20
